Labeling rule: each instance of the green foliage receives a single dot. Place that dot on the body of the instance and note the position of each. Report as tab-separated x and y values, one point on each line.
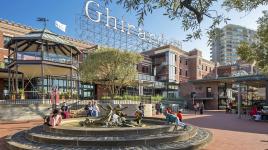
110	67
131	97
2	65
246	53
157	98
105	98
118	97
21	91
67	94
257	52
244	5
190	13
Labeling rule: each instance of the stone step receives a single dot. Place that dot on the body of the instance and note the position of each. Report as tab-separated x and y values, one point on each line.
202	137
83	131
38	135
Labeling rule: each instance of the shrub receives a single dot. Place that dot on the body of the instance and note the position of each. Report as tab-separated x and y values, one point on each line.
118	97
105	98
157	98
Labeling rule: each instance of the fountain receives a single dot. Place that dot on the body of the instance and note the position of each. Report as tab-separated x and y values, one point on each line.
111	131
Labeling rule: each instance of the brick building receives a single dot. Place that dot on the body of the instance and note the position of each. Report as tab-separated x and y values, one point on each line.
164	71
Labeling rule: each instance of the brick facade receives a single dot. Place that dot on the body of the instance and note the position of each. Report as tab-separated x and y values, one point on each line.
189	65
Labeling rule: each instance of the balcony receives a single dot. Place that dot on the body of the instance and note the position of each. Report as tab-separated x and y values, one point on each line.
144	77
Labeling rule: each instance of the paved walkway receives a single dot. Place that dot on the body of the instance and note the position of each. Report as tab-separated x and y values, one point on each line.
7	128
229	132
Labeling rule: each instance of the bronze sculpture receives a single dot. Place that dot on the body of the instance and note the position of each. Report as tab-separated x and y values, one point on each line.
113	117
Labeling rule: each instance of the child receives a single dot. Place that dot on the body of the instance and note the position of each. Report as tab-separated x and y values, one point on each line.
179	115
55	118
171	118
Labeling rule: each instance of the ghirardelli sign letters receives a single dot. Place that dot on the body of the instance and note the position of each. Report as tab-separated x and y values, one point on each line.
116	24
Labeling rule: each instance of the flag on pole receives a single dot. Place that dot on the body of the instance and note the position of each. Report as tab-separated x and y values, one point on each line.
60	26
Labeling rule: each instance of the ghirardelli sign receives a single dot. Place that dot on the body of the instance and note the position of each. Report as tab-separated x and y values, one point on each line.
95	13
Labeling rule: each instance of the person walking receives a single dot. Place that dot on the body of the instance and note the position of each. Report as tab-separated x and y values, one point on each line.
196	107
161	106
201	108
157	108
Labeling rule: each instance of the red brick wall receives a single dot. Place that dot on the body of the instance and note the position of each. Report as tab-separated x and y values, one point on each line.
224	71
181	64
193	71
1	40
201	90
1	88
101	91
2	54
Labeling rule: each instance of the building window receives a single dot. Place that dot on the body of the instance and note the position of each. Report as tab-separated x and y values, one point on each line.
202	67
180	60
175	58
6	39
209	92
186	73
186	62
206	68
175	70
145	69
180	72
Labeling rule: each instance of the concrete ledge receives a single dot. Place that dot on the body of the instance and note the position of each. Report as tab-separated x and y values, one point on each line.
23	112
200	139
159	127
113	140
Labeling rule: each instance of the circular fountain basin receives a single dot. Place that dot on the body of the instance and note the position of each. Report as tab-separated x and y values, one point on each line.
155	135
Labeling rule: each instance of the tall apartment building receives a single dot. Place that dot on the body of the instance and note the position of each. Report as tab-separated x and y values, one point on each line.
224	45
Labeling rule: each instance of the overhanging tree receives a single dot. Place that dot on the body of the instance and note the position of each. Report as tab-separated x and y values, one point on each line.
111	68
257	53
189	12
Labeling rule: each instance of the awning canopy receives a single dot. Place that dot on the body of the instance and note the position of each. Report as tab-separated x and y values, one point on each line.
52	42
252	80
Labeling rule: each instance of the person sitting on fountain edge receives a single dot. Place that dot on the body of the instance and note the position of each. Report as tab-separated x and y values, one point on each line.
138	116
95	109
55	118
65	110
171	118
89	109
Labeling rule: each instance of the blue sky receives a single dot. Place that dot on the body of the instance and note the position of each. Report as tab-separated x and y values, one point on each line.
26	12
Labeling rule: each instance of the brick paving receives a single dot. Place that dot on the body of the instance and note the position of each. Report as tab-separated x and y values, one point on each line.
7	128
229	132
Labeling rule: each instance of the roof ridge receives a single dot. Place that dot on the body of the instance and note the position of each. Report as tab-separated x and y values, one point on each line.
16	24
35	29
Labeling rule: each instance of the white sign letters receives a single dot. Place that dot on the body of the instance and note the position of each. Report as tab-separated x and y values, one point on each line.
111	21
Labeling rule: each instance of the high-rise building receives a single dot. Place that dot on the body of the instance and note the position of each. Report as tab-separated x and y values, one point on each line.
224	45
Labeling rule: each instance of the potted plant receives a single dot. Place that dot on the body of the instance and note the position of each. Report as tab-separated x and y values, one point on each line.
21	93
67	94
